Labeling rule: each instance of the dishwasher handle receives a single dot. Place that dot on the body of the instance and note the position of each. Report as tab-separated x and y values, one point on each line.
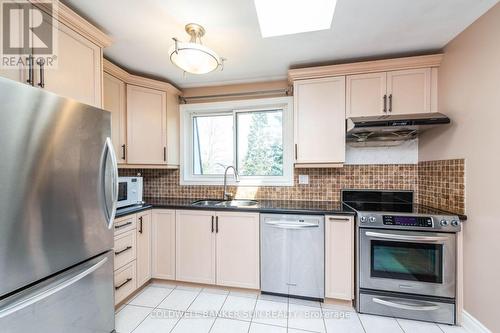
283	224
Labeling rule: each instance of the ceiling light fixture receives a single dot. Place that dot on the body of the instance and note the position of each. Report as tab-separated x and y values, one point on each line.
282	17
193	57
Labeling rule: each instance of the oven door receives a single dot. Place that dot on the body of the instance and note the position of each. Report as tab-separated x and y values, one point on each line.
407	261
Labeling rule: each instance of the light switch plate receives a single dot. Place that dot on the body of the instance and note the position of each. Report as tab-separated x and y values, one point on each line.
303	179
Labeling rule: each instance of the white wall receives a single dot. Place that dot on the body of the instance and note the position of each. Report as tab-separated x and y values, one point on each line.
469	92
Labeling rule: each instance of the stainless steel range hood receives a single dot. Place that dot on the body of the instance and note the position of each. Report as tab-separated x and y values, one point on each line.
390	130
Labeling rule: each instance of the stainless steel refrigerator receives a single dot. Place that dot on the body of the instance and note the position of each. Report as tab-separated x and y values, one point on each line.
58	189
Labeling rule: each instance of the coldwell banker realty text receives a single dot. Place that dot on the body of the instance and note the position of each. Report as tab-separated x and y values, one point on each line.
29	37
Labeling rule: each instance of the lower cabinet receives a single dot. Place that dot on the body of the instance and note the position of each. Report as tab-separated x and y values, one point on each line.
143	247
218	248
238	250
195	246
339	257
163	244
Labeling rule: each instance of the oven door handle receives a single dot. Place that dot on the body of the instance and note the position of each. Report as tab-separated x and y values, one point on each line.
424	239
421	306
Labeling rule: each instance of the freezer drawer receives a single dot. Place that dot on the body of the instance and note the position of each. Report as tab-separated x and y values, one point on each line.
293	255
404	306
79	300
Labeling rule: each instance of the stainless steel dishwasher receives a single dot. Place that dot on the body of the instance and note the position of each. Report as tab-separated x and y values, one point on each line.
293	255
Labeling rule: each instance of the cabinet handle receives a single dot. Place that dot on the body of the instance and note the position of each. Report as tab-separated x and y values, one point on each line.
122	225
123	151
385	103
295	151
216	224
390	103
124	250
123	283
31	70
345	219
165	154
41	63
140	225
212	223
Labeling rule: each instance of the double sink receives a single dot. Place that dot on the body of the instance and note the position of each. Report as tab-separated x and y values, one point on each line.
225	203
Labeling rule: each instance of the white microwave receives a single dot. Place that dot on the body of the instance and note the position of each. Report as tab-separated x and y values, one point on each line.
129	191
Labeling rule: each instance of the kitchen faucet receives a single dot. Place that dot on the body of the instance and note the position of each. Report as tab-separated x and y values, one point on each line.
226	195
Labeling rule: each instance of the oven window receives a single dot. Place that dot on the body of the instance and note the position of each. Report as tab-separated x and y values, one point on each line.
407	261
122	191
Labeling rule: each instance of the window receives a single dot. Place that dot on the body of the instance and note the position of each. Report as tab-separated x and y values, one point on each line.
255	136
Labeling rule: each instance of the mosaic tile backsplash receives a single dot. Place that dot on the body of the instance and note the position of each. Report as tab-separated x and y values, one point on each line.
441	184
324	184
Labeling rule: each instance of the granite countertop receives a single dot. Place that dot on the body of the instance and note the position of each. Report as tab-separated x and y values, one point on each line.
263	206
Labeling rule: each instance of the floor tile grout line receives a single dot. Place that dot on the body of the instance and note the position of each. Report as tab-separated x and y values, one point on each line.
184	312
146	307
401	327
217	315
361	322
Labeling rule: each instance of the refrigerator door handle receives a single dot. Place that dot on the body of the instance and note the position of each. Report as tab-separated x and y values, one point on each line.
109	150
35	296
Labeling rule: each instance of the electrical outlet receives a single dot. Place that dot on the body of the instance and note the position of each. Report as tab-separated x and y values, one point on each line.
303	179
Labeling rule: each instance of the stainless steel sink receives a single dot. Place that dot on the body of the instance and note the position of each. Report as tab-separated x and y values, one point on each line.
206	203
221	203
238	203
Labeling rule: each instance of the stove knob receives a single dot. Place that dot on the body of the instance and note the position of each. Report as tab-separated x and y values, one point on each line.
363	219
372	219
455	223
443	223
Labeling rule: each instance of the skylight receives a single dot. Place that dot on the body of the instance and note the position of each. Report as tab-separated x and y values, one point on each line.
286	17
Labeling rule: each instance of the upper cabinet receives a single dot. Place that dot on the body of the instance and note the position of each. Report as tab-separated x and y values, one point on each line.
409	91
319	107
114	92
366	94
395	92
77	73
145	122
146	125
382	87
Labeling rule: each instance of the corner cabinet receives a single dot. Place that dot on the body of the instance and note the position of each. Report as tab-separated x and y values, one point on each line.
146	125
339	257
114	91
218	248
319	108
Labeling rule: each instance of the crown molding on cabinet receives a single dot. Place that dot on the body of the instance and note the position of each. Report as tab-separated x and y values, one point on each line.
394	64
74	21
128	78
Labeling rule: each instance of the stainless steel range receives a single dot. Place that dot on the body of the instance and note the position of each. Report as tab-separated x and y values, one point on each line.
406	256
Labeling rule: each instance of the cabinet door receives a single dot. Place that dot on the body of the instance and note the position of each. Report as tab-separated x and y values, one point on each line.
163	244
320	120
339	257
143	247
237	245
146	125
78	72
195	246
409	91
114	91
365	94
173	130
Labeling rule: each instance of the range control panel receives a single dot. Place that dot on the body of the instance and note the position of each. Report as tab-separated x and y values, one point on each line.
408	221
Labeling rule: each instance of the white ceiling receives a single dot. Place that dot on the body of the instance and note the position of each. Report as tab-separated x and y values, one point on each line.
142	32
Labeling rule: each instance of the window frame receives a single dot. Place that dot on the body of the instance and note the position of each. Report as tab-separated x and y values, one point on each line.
188	111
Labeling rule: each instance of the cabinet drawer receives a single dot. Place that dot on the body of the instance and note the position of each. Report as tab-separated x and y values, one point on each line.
125	248
125	281
124	224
